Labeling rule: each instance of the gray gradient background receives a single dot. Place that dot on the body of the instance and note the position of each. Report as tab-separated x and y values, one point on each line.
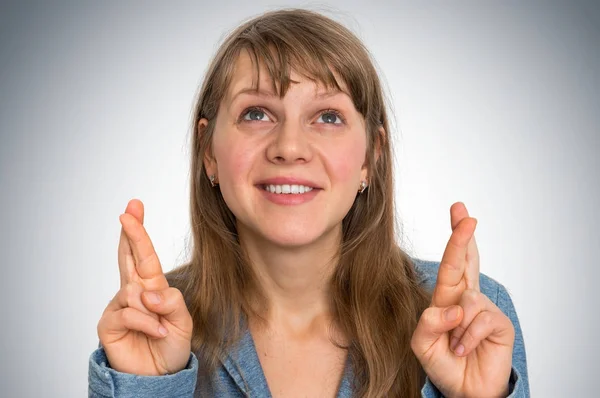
497	105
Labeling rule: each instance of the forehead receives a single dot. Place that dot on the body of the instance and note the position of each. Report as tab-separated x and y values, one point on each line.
245	76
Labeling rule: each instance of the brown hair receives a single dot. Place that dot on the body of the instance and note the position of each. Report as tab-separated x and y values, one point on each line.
376	298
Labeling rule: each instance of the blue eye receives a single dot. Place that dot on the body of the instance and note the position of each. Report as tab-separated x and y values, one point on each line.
331	117
254	114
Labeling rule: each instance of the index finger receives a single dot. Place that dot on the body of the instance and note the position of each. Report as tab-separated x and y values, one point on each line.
126	261
458	211
147	264
450	279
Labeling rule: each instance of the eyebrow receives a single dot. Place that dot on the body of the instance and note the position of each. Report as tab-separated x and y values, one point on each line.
270	94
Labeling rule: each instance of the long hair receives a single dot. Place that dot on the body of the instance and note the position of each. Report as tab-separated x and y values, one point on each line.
375	295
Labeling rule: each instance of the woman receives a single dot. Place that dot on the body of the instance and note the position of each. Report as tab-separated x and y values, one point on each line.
296	286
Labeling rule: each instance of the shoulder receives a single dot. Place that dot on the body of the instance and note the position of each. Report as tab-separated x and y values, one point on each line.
427	277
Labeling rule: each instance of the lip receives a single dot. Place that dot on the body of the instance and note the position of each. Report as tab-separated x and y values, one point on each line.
288	199
288	181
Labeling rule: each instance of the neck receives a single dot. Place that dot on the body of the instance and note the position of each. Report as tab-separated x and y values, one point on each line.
294	280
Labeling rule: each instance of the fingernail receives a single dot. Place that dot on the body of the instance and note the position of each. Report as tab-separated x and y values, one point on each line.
450	314
162	330
460	350
153	298
453	342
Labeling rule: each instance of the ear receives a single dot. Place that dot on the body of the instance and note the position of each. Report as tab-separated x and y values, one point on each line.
379	140
209	161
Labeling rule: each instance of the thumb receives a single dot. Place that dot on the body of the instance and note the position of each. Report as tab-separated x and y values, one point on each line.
434	322
170	305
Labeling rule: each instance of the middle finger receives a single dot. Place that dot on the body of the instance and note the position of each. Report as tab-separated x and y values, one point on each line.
125	257
450	282
458	211
147	264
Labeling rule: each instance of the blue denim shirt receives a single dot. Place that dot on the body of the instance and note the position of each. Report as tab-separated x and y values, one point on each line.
241	375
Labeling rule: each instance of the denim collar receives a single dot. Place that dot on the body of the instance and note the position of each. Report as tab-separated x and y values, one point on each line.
243	365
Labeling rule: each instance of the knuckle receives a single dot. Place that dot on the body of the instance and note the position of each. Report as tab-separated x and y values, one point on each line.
416	345
173	298
480	329
469	337
413	343
472	296
152	258
126	315
128	290
100	326
487	318
132	292
448	266
177	295
429	317
509	325
458	331
109	307
129	287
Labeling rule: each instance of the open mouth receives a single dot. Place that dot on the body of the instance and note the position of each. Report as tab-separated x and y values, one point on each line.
287	189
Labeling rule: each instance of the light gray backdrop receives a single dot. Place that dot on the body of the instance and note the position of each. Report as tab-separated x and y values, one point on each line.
497	105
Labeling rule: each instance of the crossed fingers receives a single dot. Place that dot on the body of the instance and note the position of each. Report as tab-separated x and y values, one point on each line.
459	268
138	261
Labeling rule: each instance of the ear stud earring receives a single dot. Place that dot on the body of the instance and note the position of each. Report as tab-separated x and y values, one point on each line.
212	181
363	186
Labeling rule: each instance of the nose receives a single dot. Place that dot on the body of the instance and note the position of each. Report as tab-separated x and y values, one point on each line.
290	144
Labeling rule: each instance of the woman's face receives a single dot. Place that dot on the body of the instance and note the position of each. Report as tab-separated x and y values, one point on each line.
289	169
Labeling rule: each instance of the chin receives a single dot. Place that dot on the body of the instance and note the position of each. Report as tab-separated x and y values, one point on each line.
290	234
292	237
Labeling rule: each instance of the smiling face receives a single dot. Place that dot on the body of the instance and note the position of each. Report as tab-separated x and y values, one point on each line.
288	168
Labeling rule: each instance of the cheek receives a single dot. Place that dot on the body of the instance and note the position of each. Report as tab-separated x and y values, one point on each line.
234	161
345	161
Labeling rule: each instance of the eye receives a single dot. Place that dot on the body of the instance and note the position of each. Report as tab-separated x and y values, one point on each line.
331	116
254	114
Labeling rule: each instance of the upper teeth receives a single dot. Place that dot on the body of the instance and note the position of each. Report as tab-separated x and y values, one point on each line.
293	189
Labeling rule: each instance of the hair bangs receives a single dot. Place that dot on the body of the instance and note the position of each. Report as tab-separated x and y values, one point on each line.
325	58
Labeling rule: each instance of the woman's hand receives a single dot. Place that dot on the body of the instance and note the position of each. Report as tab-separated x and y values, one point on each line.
146	329
464	341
